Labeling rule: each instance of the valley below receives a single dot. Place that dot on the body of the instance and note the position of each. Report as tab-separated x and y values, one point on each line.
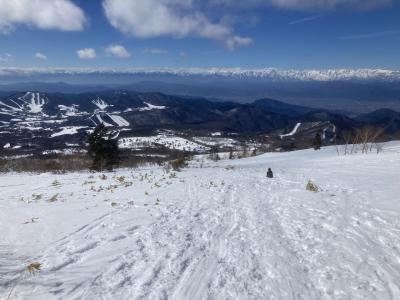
34	123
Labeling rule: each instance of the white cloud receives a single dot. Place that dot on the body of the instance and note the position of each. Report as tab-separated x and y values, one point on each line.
6	57
118	51
155	51
40	56
306	4
178	18
87	53
61	15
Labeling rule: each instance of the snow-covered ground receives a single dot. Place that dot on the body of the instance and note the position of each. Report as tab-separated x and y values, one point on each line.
169	141
68	130
214	231
216	141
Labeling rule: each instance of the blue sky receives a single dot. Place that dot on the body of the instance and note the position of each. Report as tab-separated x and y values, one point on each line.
298	34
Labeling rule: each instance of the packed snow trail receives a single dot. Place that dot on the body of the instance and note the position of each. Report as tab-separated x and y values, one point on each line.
215	231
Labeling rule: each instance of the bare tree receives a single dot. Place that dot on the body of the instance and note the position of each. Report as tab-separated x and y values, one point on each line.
348	137
368	137
365	139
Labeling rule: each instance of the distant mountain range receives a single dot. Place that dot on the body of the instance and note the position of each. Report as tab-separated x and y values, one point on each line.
35	120
265	73
353	90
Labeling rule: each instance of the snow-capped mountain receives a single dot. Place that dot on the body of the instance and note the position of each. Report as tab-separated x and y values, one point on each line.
357	90
265	73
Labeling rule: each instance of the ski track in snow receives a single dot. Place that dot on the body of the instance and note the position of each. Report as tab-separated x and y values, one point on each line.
217	233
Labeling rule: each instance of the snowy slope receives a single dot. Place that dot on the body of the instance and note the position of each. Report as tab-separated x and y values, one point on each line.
100	103
30	103
120	121
68	130
151	107
216	231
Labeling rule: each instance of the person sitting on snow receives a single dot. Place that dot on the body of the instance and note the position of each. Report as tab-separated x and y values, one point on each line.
270	174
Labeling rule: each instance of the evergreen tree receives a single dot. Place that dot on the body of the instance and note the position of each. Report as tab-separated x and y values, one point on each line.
214	153
317	142
231	153
103	150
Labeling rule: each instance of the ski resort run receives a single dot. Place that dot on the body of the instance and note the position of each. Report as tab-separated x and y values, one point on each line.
293	132
215	230
68	130
151	107
100	103
119	121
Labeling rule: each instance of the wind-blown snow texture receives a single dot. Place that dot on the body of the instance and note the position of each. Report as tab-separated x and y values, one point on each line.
220	231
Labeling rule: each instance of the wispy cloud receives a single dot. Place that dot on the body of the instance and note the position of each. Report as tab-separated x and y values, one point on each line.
154	51
304	20
6	57
306	4
370	35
